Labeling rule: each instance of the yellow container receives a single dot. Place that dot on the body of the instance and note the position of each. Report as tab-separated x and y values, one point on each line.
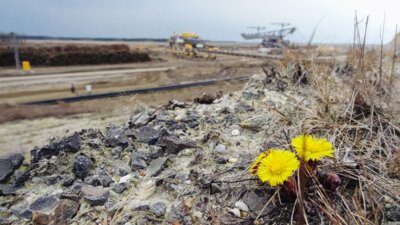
26	66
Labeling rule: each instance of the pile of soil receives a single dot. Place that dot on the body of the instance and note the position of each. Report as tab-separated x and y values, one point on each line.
73	55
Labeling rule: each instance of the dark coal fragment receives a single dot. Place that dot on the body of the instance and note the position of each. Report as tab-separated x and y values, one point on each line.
158	208
9	164
208	98
67	180
6	189
71	143
138	161
156	166
116	137
95	195
173	145
43	203
20	177
82	165
119	187
147	135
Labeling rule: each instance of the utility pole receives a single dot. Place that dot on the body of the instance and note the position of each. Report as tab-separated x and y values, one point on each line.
16	52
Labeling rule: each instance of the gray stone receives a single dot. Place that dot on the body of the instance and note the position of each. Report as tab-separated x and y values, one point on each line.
158	208
140	119
242	107
71	143
155	152
116	137
76	186
6	189
9	164
221	160
220	148
95	195
173	145
124	169
95	143
255	200
124	219
52	179
22	213
105	179
156	166
21	176
138	161
81	167
215	188
68	144
147	135
43	203
92	180
251	93
116	151
140	206
68	180
68	194
119	187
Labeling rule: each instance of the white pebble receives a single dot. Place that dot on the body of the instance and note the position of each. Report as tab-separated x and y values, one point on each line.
220	148
235	132
233	160
242	206
125	179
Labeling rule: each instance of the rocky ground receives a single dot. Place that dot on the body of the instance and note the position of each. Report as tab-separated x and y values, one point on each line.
187	163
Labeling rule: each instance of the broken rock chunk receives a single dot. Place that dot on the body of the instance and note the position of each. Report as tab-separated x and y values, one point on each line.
95	195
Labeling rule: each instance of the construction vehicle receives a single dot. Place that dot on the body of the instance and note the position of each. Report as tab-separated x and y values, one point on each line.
185	39
272	38
188	45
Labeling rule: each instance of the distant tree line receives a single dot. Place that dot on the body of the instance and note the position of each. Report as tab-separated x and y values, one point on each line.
4	36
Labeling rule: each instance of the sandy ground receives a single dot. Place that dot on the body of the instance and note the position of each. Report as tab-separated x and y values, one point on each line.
55	82
23	135
75	77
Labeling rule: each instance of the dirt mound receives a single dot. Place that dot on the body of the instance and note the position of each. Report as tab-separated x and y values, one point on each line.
73	55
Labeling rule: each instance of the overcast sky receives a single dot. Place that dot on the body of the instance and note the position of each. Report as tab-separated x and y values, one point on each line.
212	19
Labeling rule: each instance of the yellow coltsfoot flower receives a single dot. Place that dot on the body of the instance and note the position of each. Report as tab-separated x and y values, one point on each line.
254	167
277	166
312	148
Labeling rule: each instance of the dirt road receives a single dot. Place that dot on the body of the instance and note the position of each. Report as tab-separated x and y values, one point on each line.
73	77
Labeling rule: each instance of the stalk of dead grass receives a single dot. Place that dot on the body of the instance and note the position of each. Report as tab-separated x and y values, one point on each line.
351	112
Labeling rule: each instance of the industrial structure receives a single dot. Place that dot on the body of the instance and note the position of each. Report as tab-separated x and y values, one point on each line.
187	40
189	45
272	38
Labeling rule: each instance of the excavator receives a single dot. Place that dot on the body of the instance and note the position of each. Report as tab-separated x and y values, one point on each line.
272	38
189	45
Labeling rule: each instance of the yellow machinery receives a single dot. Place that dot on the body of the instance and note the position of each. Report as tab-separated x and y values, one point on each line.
189	45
